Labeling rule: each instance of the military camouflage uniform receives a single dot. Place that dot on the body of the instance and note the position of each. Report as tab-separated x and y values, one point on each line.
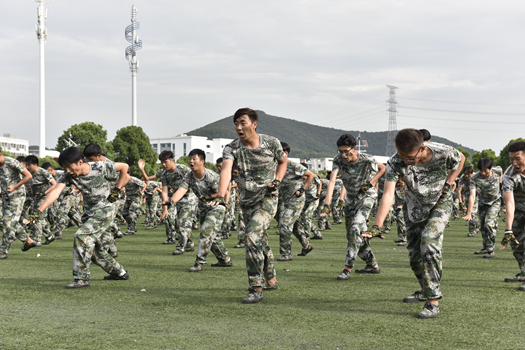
241	227
336	216
257	168
13	203
465	192
211	217
514	182
98	215
291	207
40	182
151	203
427	212
455	202
322	221
133	202
68	209
310	205
358	205
229	215
180	216
399	200
489	205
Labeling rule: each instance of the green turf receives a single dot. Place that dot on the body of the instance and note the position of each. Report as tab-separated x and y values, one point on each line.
311	309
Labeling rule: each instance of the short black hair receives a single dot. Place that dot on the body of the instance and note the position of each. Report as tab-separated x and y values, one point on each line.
70	156
235	167
31	160
219	160
246	111
468	170
47	165
198	152
285	146
408	140
426	134
484	163
165	155
517	146
92	150
346	140
21	159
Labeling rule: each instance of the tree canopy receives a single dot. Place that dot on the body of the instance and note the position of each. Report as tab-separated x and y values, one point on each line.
131	144
487	154
85	133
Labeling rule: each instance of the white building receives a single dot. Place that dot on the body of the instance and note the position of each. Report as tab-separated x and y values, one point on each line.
181	145
17	147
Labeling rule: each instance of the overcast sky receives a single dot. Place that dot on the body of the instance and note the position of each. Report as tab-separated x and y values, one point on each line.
458	65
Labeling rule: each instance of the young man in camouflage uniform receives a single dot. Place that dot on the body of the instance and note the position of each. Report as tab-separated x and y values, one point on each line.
178	216
93	180
204	183
486	185
13	176
311	203
428	170
41	184
514	196
292	199
464	197
262	165
134	194
151	196
360	173
316	229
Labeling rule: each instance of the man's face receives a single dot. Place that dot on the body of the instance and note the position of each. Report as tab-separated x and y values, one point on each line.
51	171
517	159
219	167
33	168
167	164
486	173
348	153
244	127
196	162
413	157
74	169
469	176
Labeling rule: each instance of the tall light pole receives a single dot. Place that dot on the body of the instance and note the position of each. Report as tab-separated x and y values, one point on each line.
131	56
41	34
392	124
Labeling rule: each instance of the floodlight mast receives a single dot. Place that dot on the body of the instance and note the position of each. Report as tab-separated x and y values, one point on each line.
131	56
41	34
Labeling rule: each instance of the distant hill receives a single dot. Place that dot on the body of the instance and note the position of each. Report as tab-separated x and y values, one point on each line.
305	140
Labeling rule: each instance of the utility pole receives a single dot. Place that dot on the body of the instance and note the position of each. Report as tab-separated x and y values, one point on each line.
392	124
131	56
41	34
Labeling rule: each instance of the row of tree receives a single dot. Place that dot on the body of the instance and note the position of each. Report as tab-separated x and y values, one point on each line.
502	160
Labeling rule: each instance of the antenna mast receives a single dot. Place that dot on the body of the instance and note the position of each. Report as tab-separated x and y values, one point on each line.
41	34
392	124
131	56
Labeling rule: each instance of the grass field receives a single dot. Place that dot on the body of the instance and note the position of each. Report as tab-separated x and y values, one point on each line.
163	306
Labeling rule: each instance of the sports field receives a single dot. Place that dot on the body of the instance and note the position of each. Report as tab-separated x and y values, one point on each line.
163	306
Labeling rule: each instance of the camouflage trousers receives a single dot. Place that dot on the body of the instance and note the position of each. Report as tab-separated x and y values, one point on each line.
474	223
241	227
322	221
88	247
52	213
131	208
455	207
306	224
229	217
291	210
12	229
179	223
401	224
259	256
488	219
356	215
424	244
152	203
41	227
68	210
120	209
210	221
336	215
518	250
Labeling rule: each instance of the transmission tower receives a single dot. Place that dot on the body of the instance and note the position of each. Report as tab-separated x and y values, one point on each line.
392	124
131	56
41	34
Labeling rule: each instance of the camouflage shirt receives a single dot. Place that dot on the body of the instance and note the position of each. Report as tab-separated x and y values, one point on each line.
173	180
465	186
356	174
95	186
292	180
159	173
41	181
207	185
134	187
324	187
514	182
311	191
10	175
487	189
424	182
152	185
257	167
